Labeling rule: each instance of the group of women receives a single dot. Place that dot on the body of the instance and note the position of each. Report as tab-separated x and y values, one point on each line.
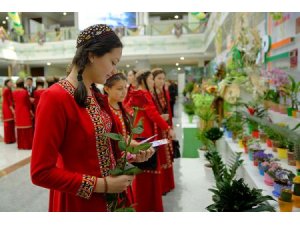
73	158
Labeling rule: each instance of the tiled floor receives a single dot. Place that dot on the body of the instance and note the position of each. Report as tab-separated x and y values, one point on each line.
18	194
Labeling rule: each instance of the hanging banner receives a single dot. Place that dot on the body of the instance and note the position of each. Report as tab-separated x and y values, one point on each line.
16	22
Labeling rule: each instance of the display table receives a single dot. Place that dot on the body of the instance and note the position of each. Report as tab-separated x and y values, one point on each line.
248	171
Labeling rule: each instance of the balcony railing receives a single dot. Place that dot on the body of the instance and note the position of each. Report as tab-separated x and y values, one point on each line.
71	33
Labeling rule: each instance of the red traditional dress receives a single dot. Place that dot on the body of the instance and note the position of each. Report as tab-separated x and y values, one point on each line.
118	118
147	185
130	89
70	151
8	116
165	152
23	118
36	95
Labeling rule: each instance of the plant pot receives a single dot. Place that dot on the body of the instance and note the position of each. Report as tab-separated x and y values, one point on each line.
278	187
255	162
255	134
269	143
291	158
290	111
250	154
261	170
285	206
246	149
241	144
282	153
294	113
229	134
296	200
268	180
282	109
298	164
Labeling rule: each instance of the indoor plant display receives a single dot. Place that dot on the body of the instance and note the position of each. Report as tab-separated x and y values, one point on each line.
231	194
291	154
253	147
285	201
189	109
260	157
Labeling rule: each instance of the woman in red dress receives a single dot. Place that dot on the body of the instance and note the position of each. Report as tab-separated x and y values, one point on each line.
165	154
39	83
70	154
147	186
116	90
23	115
8	113
132	85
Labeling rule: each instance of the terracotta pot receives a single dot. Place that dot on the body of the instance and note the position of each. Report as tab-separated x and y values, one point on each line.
282	109
294	113
255	162
291	159
285	206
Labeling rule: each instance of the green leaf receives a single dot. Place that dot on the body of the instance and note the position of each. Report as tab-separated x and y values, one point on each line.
133	171
296	127
137	130
130	149
127	209
116	172
122	145
114	136
141	147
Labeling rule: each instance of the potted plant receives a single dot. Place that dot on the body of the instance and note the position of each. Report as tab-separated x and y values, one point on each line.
283	180
291	154
235	124
231	194
285	201
189	109
253	147
296	190
260	157
282	147
214	134
270	171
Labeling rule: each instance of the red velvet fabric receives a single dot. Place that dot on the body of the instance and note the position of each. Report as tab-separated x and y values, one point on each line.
22	108
68	146
24	138
9	132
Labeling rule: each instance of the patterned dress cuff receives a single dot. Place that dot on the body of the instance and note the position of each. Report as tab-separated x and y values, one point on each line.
87	186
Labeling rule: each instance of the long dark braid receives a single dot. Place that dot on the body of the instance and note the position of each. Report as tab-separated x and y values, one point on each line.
163	109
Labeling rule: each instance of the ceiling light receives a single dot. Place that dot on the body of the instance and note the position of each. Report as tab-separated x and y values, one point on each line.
177	64
4	22
179	68
48	63
127	65
6	18
64	13
181	58
176	16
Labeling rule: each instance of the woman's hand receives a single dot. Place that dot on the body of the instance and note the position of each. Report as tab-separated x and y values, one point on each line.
172	134
115	184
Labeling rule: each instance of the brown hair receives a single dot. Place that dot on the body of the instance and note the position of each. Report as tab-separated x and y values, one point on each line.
39	82
20	83
155	72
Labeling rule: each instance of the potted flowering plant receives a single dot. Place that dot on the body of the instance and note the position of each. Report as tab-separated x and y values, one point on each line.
253	147
270	170
260	157
283	179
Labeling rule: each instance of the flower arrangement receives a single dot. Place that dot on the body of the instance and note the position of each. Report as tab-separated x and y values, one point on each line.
284	177
260	156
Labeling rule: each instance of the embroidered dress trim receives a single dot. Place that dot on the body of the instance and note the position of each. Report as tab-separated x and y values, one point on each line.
88	184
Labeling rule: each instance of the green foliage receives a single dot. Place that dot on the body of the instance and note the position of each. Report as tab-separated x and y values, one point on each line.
272	95
188	88
230	194
213	133
114	136
189	107
286	195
